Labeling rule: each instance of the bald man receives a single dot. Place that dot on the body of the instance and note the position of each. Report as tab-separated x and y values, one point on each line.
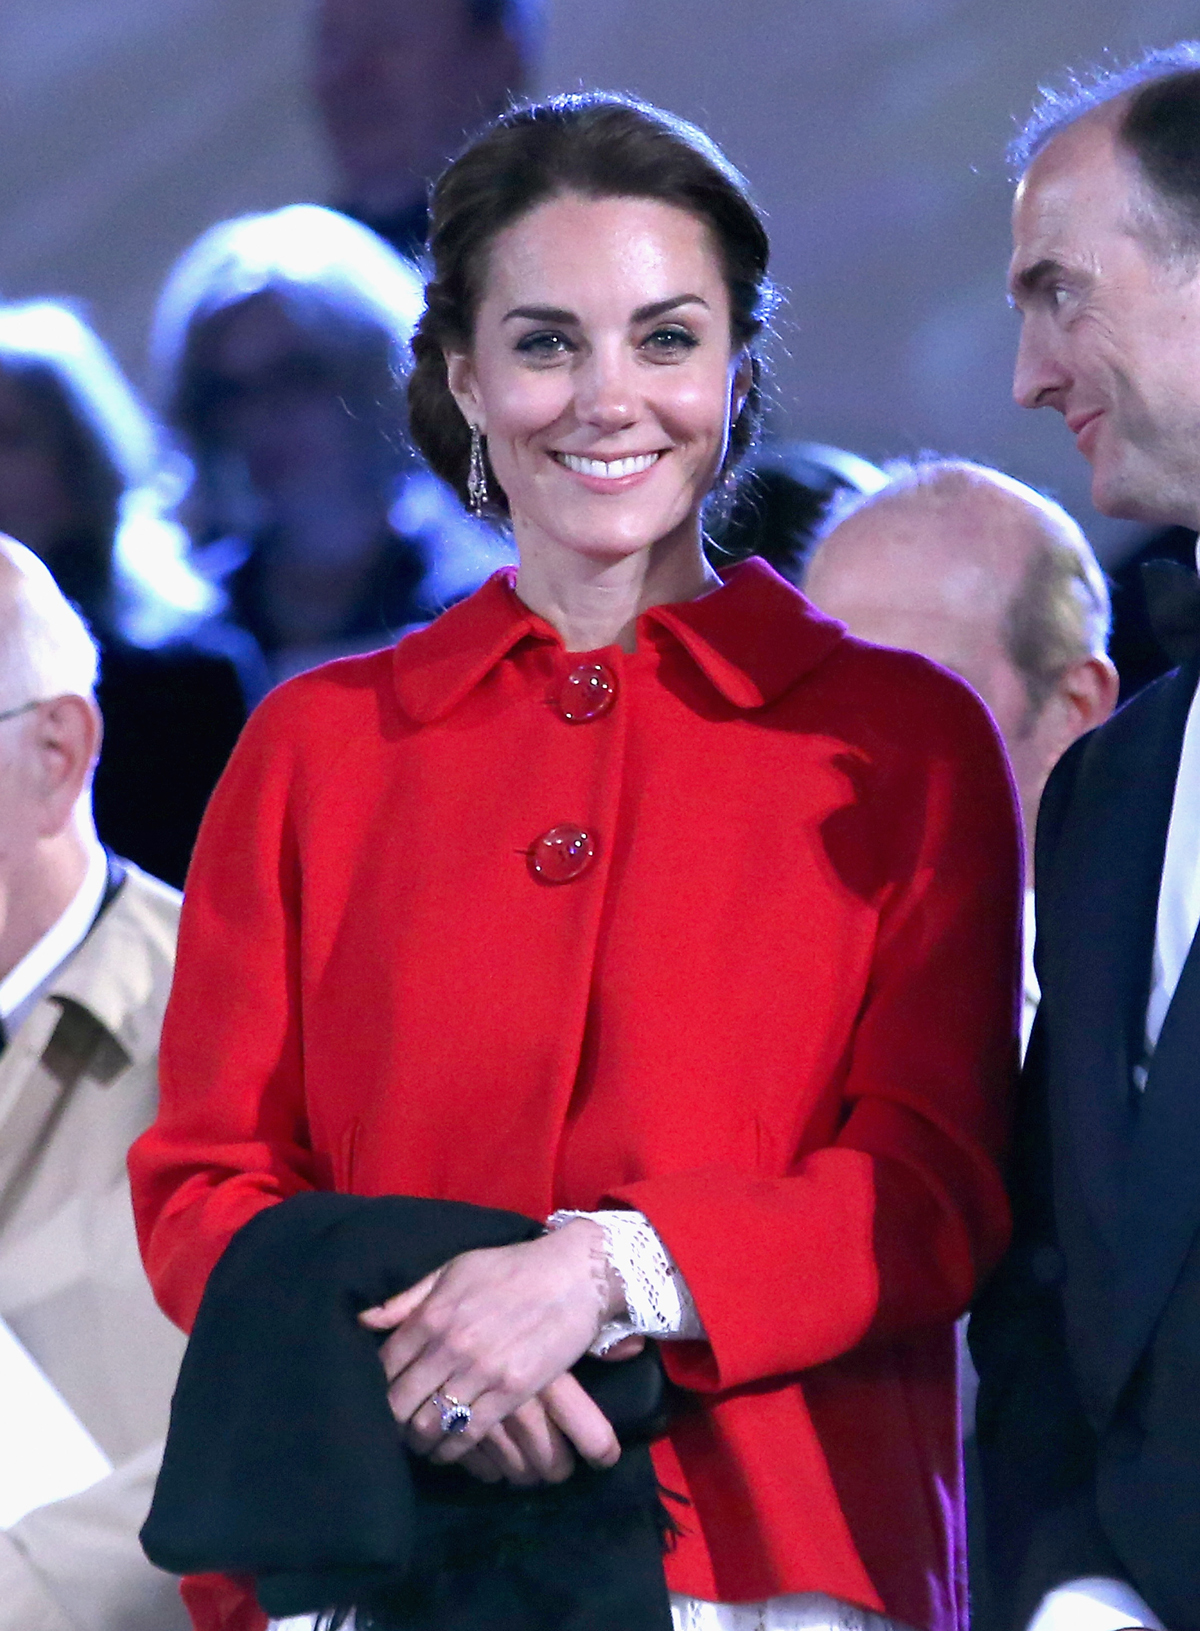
990	579
87	946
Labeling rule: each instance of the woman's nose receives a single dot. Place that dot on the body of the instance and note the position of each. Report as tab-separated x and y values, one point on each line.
605	390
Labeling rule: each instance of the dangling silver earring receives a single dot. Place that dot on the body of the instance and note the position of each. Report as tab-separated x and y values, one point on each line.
477	488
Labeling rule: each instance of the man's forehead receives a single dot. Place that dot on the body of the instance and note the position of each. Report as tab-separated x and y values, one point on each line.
1080	182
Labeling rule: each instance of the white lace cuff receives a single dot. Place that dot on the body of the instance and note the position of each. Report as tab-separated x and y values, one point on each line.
657	1300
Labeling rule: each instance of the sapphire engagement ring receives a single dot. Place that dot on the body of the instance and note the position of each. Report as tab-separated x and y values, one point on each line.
455	1415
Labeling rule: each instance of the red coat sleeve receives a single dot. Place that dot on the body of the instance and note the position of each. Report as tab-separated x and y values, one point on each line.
231	1136
891	1224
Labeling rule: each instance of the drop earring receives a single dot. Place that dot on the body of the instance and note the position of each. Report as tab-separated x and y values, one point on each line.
477	488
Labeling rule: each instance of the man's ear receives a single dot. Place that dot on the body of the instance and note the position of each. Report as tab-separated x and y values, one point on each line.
460	376
1085	695
66	738
1091	687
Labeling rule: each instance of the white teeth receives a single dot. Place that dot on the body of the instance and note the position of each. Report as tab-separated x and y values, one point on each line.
611	469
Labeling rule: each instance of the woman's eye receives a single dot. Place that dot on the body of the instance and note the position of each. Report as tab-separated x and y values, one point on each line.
670	339
544	345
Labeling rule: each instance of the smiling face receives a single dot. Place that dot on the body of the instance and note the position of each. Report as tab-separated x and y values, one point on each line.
1110	329
603	374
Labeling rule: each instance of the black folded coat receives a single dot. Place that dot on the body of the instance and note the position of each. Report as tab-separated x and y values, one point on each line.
283	1460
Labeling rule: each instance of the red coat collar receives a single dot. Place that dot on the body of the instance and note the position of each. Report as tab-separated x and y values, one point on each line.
754	637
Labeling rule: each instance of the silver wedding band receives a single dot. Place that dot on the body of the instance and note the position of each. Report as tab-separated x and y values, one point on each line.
456	1416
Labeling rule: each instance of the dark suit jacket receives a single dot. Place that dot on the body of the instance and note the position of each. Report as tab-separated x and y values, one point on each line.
1088	1339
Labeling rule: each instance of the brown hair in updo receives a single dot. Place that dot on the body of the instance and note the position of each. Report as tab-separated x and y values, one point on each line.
600	146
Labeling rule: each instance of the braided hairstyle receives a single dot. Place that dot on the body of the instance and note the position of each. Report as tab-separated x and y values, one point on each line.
598	146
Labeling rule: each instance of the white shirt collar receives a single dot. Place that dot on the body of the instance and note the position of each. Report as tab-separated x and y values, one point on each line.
63	937
1031	990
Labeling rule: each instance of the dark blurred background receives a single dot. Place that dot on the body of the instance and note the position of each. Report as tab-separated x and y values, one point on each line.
872	130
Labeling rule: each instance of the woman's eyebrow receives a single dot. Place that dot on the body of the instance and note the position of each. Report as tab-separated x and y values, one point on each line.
541	314
644	314
659	308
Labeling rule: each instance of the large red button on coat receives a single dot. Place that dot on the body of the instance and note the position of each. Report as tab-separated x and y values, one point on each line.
561	854
587	693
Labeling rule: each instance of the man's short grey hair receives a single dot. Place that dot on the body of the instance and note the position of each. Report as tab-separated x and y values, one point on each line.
1062	611
45	648
1159	129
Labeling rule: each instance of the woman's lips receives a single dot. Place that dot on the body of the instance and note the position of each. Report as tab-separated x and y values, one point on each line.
608	475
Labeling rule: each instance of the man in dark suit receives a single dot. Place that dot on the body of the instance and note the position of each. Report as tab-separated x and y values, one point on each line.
1088	1340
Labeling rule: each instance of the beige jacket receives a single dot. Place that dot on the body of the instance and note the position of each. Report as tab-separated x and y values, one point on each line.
78	1082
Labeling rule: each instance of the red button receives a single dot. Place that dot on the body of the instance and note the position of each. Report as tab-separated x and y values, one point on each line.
561	854
588	692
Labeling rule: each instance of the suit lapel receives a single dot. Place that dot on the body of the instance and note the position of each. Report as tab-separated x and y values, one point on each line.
1100	933
1161	1203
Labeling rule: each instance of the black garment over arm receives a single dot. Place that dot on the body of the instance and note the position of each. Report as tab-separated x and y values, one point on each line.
283	1460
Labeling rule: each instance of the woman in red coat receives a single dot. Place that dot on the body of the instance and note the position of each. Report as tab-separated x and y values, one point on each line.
627	890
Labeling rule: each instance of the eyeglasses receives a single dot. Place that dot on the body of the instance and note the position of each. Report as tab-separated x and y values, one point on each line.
25	708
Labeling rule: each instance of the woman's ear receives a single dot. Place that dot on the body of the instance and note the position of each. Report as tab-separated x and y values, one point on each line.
743	382
460	376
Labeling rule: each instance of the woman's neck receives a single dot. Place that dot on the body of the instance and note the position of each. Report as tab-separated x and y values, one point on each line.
594	601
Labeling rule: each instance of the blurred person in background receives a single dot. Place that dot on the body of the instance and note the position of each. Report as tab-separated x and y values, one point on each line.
83	484
782	497
399	85
87	945
993	581
280	346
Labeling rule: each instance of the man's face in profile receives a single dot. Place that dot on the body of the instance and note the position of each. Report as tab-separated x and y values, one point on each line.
1110	332
399	83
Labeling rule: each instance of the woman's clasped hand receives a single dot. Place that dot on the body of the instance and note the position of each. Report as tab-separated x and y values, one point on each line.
498	1330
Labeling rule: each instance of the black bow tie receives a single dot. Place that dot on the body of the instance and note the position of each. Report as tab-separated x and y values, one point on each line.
1173	604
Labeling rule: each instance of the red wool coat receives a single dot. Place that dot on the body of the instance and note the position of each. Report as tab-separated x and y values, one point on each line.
775	1012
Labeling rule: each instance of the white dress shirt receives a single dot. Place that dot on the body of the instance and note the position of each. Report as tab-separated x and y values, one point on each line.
21	988
1111	1605
1031	991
